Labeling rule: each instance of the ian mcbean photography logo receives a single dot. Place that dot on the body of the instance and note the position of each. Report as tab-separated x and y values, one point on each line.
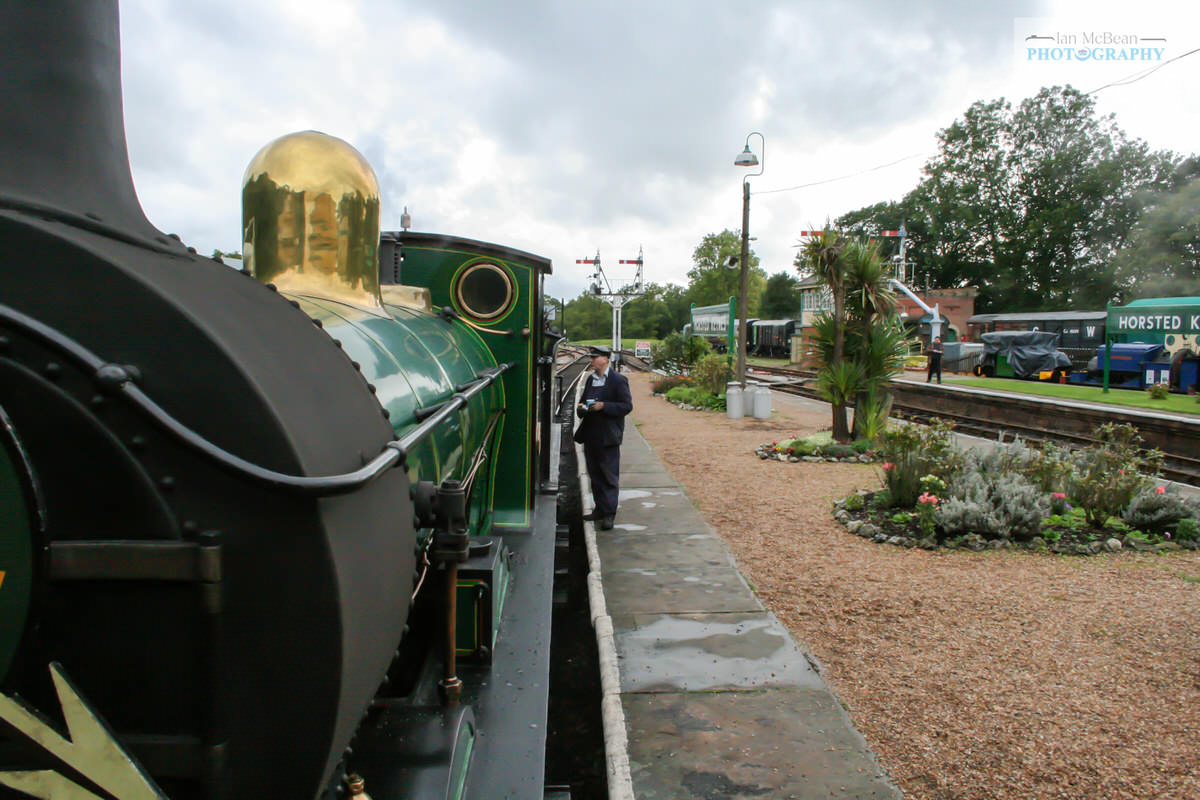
1101	45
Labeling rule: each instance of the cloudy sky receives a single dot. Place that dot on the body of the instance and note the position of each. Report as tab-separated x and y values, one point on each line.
564	128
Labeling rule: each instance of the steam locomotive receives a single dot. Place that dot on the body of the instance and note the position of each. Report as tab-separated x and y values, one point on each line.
279	532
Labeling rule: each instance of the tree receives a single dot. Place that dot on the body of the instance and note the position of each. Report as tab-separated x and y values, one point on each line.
821	255
1162	257
1030	204
588	317
711	280
780	297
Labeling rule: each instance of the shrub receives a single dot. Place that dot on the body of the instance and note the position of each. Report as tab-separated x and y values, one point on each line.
995	506
927	505
881	500
712	372
798	447
1049	467
1107	475
678	353
912	451
1156	509
664	384
861	445
1158	391
1188	529
838	451
855	502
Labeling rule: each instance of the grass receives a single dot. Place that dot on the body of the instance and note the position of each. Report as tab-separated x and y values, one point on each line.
1175	403
626	344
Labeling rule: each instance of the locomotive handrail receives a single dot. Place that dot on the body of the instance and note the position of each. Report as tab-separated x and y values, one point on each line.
117	378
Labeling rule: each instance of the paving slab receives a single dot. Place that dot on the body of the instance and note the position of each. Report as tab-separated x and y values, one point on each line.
718	700
646	479
684	550
708	652
658	509
641	589
775	743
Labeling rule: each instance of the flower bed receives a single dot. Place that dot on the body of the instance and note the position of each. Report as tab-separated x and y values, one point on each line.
1105	497
816	448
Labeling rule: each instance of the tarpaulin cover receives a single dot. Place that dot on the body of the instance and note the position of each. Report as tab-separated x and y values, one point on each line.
1028	352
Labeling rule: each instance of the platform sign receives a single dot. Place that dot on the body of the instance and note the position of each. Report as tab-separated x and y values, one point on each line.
641	349
1153	319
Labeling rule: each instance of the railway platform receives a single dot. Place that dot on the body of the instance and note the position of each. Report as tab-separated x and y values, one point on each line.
705	694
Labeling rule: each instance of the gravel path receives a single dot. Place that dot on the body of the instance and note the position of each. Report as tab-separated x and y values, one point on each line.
974	676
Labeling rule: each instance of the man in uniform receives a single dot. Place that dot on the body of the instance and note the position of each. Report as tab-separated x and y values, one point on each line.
605	402
934	353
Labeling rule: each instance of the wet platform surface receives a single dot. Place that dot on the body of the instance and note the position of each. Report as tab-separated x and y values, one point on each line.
718	700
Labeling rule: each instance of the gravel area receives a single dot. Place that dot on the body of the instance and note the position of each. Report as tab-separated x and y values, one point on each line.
973	676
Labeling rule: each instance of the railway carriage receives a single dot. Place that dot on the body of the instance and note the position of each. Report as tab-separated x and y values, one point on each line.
284	532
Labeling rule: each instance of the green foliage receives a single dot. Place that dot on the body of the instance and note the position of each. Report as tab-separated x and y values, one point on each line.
861	446
837	384
838	451
711	280
993	505
855	502
913	452
686	395
927	506
660	311
881	500
667	382
712	372
1162	256
1188	529
1030	203
1159	391
678	353
1107	475
901	517
696	396
781	297
1157	509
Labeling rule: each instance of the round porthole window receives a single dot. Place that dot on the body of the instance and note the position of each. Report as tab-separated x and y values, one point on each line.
485	291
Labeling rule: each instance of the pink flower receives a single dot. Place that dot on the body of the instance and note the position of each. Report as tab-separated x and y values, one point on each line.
1059	496
888	465
1160	490
931	499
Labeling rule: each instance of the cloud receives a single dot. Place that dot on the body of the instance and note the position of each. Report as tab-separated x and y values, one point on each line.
559	127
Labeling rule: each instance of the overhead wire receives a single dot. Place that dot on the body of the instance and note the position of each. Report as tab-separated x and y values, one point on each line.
842	177
1143	74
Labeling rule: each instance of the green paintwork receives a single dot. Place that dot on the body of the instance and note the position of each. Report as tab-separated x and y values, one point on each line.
415	360
436	266
16	547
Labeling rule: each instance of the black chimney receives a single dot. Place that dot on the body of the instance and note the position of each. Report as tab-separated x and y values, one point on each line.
62	130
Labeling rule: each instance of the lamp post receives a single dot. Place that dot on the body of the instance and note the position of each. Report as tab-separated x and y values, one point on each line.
746	159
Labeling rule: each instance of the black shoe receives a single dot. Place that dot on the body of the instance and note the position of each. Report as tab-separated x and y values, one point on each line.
606	524
592	516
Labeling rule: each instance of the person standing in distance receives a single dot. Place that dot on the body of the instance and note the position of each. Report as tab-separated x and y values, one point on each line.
934	353
606	400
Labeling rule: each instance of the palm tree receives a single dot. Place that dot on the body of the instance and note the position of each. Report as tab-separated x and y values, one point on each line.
821	255
869	297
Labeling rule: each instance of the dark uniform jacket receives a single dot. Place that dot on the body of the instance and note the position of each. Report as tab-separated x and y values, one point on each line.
605	428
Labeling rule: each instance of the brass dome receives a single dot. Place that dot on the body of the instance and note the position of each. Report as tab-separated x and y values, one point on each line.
310	217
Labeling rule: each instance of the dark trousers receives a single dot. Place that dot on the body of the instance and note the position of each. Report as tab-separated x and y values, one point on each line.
935	368
604	470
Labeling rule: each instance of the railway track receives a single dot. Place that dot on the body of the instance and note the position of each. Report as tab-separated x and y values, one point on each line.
1006	416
